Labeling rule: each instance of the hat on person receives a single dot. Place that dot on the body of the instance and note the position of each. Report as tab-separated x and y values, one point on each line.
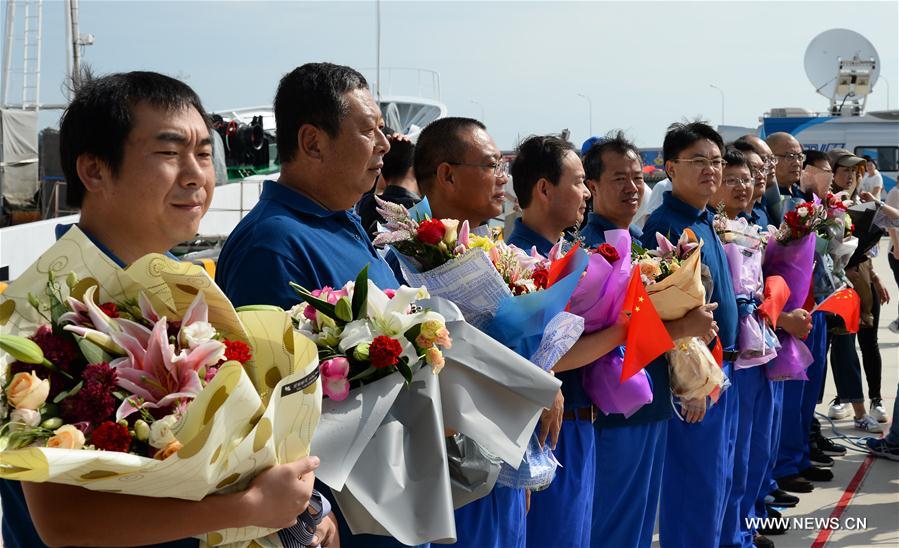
842	157
589	143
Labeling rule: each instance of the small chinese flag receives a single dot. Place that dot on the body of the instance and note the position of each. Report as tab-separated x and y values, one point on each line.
776	294
810	297
846	304
718	352
561	267
647	337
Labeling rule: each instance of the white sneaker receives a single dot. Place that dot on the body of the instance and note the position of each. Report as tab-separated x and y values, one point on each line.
839	411
868	424
894	326
877	411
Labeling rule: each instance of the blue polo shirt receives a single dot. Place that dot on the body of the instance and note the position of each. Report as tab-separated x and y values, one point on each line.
287	237
660	409
524	237
670	219
759	215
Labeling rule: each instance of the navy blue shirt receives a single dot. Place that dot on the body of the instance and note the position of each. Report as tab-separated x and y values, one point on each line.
524	237
759	215
670	219
660	408
289	238
17	527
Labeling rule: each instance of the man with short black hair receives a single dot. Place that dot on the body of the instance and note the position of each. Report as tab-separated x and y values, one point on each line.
399	184
771	197
137	157
700	453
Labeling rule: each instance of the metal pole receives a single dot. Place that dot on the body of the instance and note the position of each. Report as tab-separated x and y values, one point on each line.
76	55
67	7
589	114
483	116
722	101
37	63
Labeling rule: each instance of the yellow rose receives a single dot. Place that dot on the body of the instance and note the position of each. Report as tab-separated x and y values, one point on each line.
67	437
27	391
451	230
167	451
650	269
481	242
434	357
673	267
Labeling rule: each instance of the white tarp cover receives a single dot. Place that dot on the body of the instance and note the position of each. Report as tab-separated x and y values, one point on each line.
18	155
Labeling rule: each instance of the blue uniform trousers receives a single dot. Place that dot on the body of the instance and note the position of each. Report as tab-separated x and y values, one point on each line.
769	485
495	521
753	448
792	455
697	476
560	515
629	462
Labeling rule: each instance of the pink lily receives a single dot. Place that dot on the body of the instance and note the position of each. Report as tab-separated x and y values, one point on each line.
334	374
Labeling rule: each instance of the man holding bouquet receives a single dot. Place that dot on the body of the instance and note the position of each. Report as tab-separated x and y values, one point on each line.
700	449
137	156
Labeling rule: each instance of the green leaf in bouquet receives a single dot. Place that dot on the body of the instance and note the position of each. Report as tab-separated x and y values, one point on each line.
92	352
405	370
324	307
65	394
259	307
360	294
344	310
637	249
412	333
367	373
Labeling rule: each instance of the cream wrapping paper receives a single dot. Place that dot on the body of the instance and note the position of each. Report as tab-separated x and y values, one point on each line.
243	422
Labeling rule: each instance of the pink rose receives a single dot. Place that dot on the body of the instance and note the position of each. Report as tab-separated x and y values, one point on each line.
334	374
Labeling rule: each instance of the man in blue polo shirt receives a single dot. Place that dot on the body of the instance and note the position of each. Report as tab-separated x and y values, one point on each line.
549	182
137	157
700	455
302	230
630	451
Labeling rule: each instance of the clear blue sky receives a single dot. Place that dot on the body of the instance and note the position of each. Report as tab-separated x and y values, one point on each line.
643	64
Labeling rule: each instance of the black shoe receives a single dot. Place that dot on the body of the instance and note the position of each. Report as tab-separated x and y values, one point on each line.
795	484
813	473
761	541
819	459
783	499
830	448
773	518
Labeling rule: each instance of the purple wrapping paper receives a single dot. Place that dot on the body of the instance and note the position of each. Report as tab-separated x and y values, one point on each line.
795	263
598	299
746	274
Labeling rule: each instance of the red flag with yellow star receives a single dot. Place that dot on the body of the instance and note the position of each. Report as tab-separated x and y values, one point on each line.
846	304
647	337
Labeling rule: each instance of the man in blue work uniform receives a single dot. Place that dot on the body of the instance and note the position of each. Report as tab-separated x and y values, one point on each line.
549	182
331	148
793	469
697	472
137	156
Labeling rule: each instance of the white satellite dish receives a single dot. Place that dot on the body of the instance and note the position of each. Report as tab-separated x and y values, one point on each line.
842	65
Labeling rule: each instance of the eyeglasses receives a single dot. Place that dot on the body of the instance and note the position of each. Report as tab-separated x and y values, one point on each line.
792	157
500	168
704	163
758	172
734	181
770	161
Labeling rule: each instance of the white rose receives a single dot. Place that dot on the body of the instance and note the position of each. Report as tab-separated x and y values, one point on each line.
296	312
802	211
197	333
161	431
23	419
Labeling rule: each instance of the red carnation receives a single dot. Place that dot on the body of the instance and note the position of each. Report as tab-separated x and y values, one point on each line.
61	351
94	403
540	278
609	253
431	231
111	436
110	309
236	350
384	352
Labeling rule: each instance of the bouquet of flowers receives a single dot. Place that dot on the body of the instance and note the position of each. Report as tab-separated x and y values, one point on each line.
673	279
791	255
380	352
744	246
599	298
146	381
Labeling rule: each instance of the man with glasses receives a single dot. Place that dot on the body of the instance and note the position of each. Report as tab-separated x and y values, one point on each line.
758	171
696	477
462	173
770	198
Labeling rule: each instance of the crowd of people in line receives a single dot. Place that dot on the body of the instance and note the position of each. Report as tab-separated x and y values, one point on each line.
137	156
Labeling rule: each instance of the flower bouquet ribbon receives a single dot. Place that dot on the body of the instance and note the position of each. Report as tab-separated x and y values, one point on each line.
794	262
675	287
381	436
240	394
599	298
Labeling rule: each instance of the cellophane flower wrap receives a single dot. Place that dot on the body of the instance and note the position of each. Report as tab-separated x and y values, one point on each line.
510	294
145	381
673	279
744	246
791	255
380	353
598	299
834	245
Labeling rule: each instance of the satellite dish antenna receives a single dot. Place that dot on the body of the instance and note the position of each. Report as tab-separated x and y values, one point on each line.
843	66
